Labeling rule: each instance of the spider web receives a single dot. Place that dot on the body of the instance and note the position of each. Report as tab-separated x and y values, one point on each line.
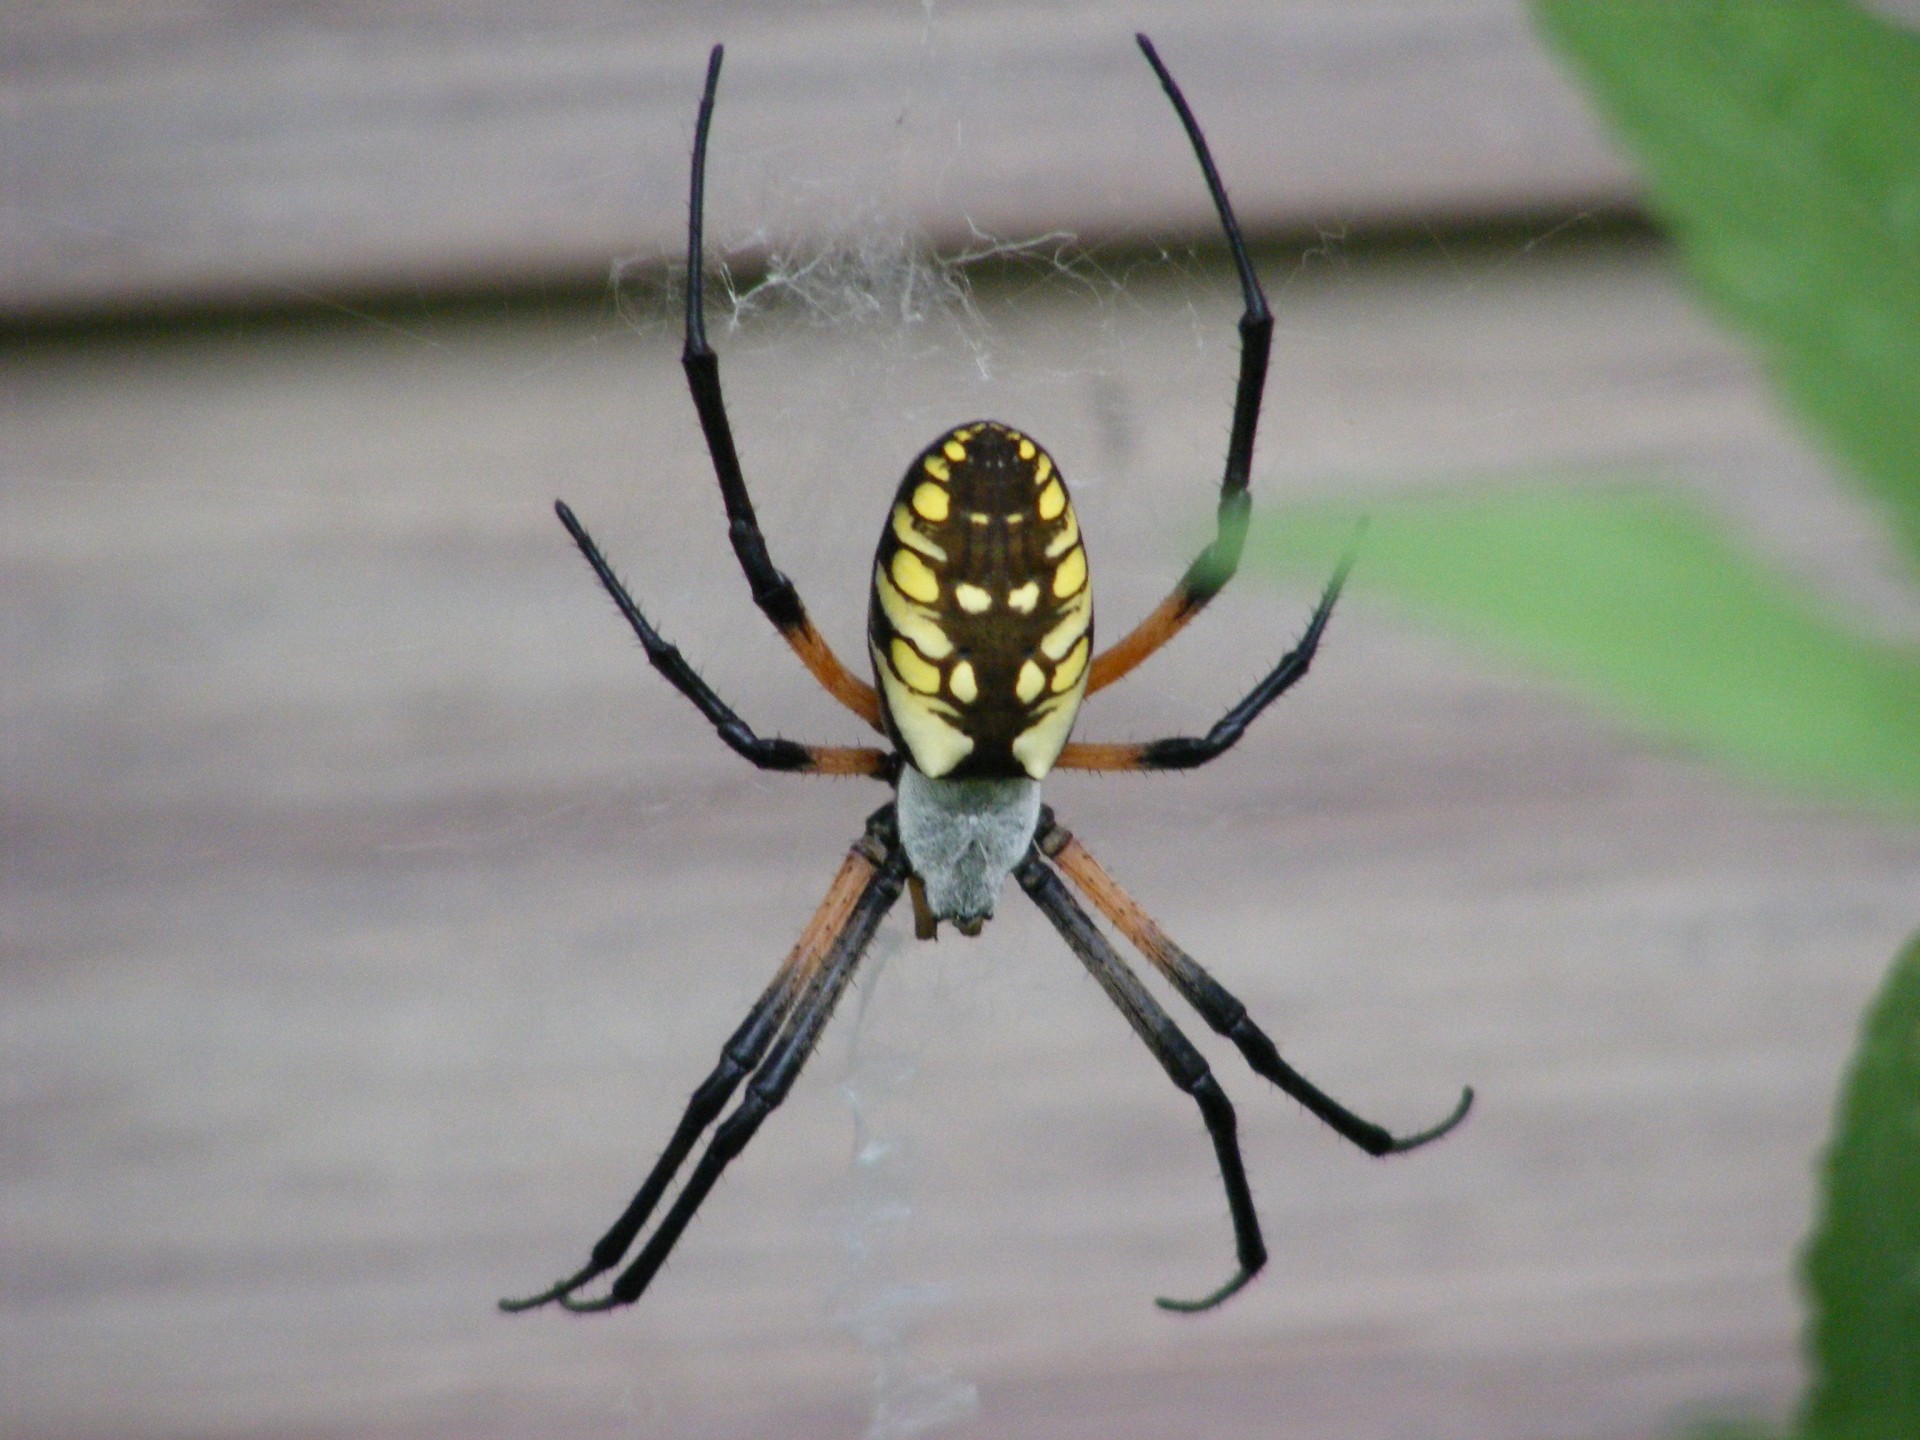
889	311
881	1311
841	355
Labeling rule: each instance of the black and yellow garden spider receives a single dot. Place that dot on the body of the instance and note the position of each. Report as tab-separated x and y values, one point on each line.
980	629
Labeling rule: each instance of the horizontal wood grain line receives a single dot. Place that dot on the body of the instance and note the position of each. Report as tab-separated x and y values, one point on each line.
158	161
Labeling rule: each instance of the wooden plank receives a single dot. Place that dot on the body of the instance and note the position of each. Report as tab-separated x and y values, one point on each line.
160	158
370	908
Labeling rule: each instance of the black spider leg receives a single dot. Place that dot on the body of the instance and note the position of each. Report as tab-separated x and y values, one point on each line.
1184	1065
1184	752
770	1082
773	592
1219	1007
770	753
739	1057
1214	566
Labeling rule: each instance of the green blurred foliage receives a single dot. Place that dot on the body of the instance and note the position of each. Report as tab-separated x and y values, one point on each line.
1862	1268
1642	601
1733	1430
1780	143
1780	140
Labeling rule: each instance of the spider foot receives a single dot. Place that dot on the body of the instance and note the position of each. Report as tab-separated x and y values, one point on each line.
1434	1132
1207	1302
559	1292
610	1301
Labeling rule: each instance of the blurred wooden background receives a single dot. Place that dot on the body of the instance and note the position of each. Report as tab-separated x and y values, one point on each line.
174	154
370	908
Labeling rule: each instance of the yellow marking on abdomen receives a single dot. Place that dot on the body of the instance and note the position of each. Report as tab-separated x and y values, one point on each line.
972	598
1031	681
911	668
1068	537
1024	598
937	468
917	582
1038	746
1027	448
1052	501
907	533
935	744
1071	625
955	451
965	688
918	625
1068	670
930	502
1071	575
1042	468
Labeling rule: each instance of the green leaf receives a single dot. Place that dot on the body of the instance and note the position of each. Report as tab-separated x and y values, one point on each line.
1862	1267
1638	599
1780	140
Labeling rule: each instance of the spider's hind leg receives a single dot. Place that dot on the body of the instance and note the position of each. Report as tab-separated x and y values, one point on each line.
786	1019
1184	1065
770	1082
1217	1005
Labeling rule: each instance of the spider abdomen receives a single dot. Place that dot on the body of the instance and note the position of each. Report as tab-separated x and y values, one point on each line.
981	621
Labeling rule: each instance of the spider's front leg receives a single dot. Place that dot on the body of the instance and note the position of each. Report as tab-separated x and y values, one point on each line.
1213	567
773	592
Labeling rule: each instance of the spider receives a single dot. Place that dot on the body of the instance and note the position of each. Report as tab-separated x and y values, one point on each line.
980	630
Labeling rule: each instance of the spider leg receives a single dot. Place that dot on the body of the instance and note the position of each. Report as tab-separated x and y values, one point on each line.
824	984
738	1058
1215	565
1184	1065
1218	1007
773	592
1184	752
770	753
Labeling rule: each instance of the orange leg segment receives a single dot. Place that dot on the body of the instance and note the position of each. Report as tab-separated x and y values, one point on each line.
783	1024
838	681
1217	1006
